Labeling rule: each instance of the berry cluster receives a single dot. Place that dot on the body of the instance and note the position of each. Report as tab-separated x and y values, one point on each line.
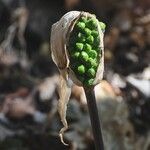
84	49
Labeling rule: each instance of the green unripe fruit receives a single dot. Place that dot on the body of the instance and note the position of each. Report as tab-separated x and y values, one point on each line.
84	56
84	49
87	31
87	47
79	46
81	37
81	69
92	63
83	19
93	54
90	39
102	25
89	82
94	33
91	23
91	72
76	55
80	26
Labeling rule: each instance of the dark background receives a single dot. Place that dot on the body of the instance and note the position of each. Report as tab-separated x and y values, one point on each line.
29	78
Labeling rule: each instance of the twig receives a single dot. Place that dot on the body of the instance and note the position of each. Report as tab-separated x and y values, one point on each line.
95	122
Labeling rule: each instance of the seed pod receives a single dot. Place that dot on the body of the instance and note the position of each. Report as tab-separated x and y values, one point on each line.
77	50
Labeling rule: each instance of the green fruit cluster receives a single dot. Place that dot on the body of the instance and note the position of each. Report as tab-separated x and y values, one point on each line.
84	49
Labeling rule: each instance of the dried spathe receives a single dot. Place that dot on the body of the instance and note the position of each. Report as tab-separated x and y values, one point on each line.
77	50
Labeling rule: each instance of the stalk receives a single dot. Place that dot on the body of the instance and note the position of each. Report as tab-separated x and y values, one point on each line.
94	117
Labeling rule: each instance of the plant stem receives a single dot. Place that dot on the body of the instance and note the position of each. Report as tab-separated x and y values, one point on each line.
95	121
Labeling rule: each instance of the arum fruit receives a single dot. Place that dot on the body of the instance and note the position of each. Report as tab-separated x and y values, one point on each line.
77	50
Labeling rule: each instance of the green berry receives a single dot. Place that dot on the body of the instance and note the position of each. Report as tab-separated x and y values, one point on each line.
89	82
81	37
94	33
91	72
87	31
83	19
87	47
76	55
90	39
91	23
92	62
102	25
84	56
93	54
79	46
80	26
81	69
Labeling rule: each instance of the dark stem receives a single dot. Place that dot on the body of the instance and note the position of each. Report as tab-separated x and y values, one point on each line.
95	121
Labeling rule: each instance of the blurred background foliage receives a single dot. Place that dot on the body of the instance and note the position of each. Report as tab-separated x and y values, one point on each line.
29	79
